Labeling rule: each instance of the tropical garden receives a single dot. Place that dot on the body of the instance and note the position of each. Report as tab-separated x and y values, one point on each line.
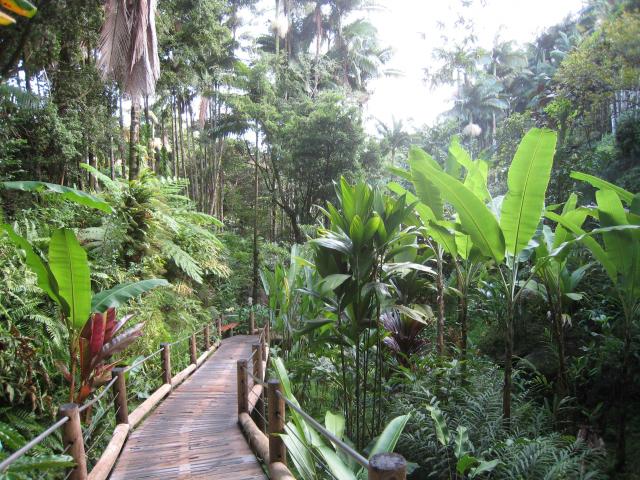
465	292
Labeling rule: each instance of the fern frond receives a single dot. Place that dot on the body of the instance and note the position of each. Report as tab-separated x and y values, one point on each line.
182	259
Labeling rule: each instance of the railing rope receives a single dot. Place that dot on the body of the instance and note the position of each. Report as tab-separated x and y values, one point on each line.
382	466
326	433
6	463
69	414
258	372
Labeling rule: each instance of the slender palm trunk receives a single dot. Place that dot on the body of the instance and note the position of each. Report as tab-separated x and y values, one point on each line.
440	300
256	279
508	357
134	138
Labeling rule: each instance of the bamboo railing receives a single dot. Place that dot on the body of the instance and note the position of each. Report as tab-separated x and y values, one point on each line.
263	432
69	421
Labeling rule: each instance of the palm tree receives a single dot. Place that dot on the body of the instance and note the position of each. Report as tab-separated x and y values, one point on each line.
361	56
394	135
129	55
504	63
477	102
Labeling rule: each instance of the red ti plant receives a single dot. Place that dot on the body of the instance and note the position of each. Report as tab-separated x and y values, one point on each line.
97	344
65	278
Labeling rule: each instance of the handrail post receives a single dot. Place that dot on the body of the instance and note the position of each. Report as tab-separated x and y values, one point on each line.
166	362
267	331
252	321
193	349
258	372
243	394
257	360
219	321
387	466
263	344
277	449
72	437
120	395
207	337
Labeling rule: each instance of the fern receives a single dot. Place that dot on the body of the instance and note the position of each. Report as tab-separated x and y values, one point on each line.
182	259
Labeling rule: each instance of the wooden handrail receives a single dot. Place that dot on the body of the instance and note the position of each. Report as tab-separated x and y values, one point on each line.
69	414
382	466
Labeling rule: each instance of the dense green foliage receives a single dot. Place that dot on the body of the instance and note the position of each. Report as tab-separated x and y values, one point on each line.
465	293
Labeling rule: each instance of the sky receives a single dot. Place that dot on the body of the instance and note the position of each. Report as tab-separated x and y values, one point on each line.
410	27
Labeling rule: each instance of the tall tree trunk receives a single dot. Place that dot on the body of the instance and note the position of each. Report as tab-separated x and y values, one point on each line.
256	279
508	358
112	160
463	310
562	386
134	138
623	400
440	300
174	134
123	163
181	136
93	163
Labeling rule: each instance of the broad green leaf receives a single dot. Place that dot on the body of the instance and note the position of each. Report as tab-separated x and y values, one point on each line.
356	230
77	196
476	180
389	437
476	219
484	467
70	267
333	281
596	250
577	217
371	227
335	424
465	463
299	451
461	441
527	182
442	431
420	163
464	245
459	155
348	200
619	244
122	293
425	213
401	173
601	184
46	280
477	171
41	462
336	465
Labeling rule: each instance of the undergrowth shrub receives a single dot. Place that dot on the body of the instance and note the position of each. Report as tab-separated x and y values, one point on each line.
470	396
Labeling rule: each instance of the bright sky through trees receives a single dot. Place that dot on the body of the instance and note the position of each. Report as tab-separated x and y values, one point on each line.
411	28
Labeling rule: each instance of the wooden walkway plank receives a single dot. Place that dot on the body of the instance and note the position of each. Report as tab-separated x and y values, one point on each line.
194	432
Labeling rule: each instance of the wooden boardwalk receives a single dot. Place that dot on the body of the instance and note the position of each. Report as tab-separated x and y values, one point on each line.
194	432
